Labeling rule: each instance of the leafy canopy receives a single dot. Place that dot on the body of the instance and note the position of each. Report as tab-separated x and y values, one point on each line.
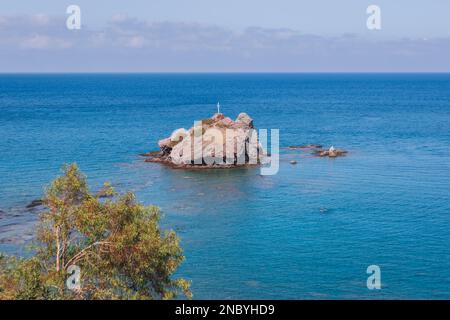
114	240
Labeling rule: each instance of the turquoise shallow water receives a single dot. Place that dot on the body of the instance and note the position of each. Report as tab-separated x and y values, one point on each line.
245	235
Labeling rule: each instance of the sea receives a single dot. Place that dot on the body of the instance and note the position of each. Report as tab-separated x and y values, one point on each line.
308	232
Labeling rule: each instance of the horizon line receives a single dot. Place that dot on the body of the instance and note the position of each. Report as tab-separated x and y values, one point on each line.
220	72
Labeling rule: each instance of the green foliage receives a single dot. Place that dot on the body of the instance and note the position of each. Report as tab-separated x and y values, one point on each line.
116	242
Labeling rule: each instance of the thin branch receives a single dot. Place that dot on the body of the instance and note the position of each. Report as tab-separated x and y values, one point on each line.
83	252
58	248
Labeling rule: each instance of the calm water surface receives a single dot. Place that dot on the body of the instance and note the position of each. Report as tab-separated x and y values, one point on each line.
308	232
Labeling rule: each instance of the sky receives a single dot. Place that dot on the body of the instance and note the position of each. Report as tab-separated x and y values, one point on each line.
225	36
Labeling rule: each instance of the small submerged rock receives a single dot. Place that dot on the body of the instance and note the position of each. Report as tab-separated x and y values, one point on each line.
35	203
331	152
317	150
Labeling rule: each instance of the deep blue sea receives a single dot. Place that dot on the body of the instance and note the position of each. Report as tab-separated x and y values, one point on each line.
308	232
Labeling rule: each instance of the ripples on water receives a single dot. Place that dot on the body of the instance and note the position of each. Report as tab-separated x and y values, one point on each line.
309	231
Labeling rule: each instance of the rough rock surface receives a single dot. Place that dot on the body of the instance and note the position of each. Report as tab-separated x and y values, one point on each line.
331	152
214	142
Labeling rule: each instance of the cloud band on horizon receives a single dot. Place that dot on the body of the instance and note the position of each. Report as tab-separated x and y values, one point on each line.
41	43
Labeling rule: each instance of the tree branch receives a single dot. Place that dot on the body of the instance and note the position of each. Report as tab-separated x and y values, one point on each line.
83	252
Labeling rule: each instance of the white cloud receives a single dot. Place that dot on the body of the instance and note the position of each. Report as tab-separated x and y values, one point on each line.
36	42
136	42
41	19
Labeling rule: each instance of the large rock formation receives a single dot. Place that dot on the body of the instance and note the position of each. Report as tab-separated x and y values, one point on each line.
215	142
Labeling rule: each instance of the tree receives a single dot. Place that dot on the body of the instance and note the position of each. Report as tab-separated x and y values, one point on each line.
115	241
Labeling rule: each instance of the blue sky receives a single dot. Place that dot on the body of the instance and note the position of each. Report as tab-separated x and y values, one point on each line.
233	35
